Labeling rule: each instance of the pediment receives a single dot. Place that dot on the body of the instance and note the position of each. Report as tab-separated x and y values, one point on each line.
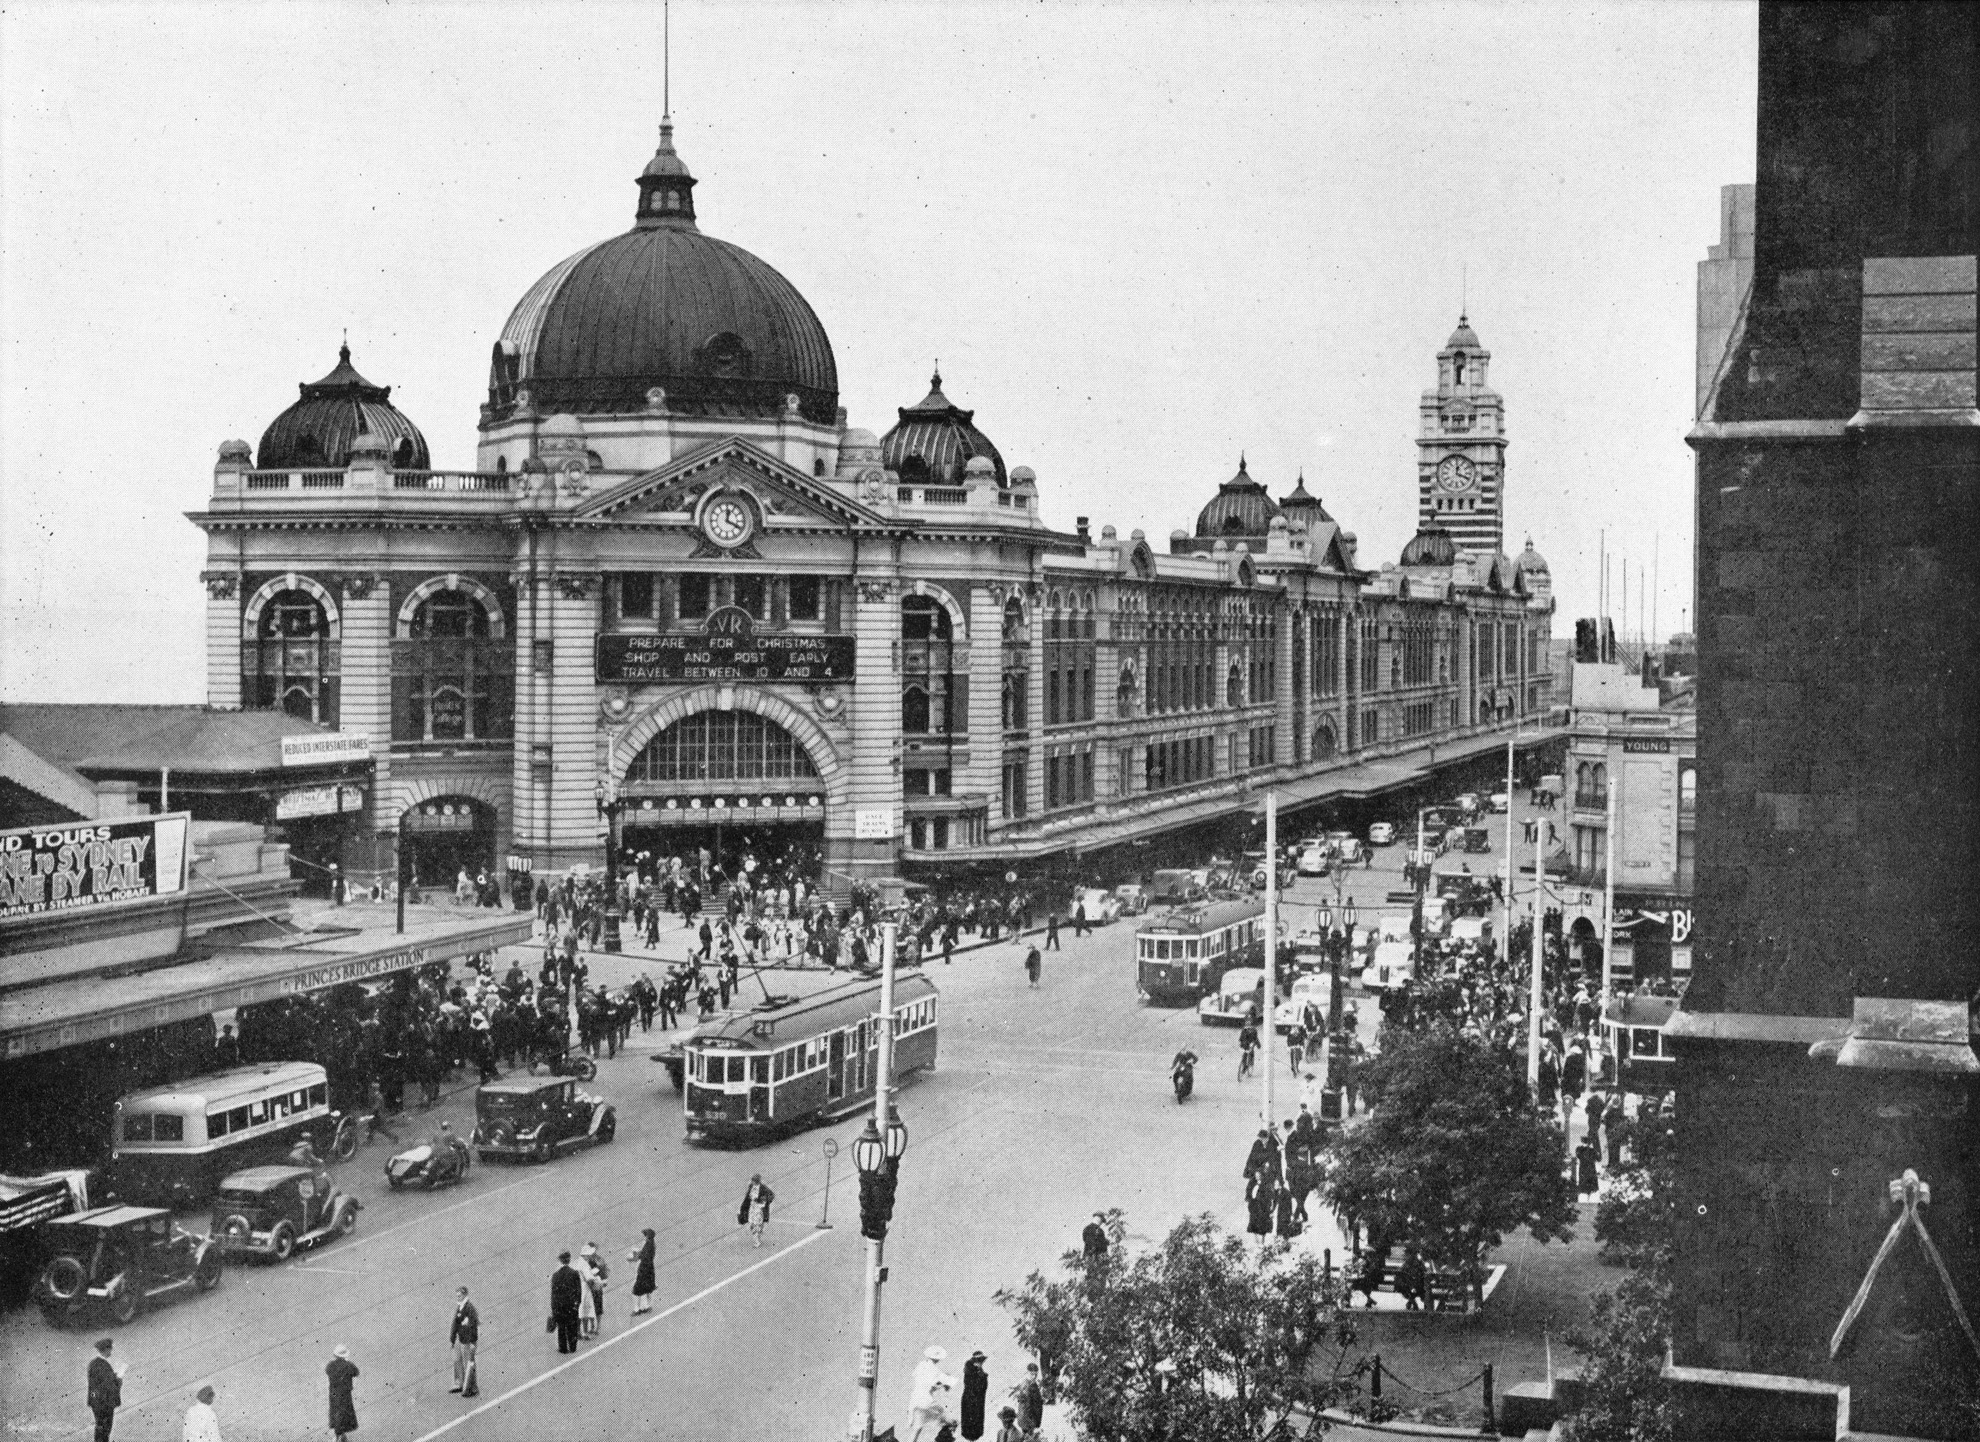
781	492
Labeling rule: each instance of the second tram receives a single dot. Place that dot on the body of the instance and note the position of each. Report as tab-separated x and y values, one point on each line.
1182	955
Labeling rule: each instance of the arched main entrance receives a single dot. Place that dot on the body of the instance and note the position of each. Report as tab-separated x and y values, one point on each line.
734	784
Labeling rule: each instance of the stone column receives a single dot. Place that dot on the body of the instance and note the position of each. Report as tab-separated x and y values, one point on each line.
875	752
223	637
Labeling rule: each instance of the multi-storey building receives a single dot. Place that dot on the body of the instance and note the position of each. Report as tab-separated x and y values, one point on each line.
680	591
1461	448
1632	754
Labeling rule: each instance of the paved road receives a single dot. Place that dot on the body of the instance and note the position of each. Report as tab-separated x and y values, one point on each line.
1047	1105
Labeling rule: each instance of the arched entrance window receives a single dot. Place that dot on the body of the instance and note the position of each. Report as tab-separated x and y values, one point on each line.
1234	687
292	663
1325	739
453	673
722	746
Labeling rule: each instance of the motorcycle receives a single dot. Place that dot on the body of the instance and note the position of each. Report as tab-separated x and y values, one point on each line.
429	1166
574	1062
1182	1076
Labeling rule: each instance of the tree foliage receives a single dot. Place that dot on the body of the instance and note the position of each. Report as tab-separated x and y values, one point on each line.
1200	1338
1625	1396
1455	1154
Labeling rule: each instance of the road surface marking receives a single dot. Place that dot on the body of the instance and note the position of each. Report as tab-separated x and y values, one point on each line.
334	1271
619	1337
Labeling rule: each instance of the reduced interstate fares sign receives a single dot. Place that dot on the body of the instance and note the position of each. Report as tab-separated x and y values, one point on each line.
730	650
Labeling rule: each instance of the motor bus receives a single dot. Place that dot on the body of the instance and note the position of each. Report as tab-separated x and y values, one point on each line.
1182	955
171	1145
795	1061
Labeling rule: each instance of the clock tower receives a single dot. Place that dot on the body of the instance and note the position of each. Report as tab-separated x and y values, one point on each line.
1461	448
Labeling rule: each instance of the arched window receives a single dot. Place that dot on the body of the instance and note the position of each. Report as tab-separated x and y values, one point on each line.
453	675
1124	694
1016	668
1234	687
721	746
292	663
931	692
1325	739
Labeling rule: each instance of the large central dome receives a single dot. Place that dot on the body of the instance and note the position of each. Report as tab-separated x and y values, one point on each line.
664	307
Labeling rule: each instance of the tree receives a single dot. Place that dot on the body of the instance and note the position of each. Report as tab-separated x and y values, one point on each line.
1199	1338
1624	1396
1455	1153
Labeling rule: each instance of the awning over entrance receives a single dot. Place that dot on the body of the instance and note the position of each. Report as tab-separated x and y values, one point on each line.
96	1008
1372	778
726	807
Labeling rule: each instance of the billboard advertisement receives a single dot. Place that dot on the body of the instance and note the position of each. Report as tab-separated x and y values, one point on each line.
85	864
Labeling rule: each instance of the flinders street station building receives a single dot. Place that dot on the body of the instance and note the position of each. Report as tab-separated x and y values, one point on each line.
681	594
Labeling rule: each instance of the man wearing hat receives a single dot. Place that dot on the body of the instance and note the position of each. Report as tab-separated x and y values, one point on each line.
202	1424
566	1295
464	1335
106	1389
925	1401
1009	1431
342	1372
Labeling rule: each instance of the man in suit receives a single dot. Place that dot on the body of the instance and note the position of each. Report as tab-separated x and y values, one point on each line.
566	1297
106	1389
463	1336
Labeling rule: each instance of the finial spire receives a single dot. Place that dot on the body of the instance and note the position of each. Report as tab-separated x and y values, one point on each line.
666	60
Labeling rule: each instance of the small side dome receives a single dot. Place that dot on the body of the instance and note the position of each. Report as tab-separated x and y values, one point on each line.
979	471
1024	477
1463	336
371	447
934	439
1241	507
317	432
1531	561
1431	546
236	453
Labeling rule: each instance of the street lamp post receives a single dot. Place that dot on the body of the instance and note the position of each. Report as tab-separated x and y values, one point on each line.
1337	945
877	1158
608	807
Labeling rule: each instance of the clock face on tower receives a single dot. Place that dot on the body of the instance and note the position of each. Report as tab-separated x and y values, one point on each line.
726	522
1456	473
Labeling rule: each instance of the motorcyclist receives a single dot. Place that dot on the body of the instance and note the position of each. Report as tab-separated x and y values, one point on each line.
1182	1073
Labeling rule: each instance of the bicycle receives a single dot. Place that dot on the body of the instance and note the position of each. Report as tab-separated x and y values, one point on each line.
1247	1062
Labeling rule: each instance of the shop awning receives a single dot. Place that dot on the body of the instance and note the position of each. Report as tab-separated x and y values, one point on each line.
78	1010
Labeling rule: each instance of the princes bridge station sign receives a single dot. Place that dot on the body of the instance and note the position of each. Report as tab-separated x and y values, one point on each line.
729	649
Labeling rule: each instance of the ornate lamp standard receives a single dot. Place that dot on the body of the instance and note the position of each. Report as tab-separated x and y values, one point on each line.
1337	945
877	1158
608	807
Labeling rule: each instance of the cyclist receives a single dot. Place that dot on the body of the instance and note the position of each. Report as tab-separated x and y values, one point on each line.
1248	1045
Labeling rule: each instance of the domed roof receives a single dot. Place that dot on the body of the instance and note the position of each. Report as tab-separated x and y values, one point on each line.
1241	507
935	440
1464	335
318	431
665	307
1531	560
1431	546
1303	506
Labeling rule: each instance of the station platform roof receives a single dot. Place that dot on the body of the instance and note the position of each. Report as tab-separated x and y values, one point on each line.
352	943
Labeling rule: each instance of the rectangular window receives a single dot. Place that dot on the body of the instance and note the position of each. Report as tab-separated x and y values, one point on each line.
753	595
804	598
237	1120
216	1125
636	594
138	1128
940	833
694	597
914	783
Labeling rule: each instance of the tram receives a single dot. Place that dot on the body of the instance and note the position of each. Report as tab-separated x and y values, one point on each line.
1182	955
789	1063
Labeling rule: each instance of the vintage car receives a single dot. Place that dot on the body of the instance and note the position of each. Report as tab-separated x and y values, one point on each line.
1393	963
1382	833
1314	859
1133	897
1101	907
271	1211
117	1259
1345	845
429	1165
1310	999
1498	803
537	1117
1239	994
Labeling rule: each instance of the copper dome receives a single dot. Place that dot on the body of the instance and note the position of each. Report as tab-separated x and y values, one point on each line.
1431	546
1241	507
665	307
318	431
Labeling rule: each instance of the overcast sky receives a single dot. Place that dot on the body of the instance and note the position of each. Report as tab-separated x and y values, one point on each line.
1140	237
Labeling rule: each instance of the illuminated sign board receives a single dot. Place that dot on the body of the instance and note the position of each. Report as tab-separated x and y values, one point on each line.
728	650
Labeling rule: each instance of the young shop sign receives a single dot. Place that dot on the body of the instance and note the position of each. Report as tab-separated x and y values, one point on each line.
45	869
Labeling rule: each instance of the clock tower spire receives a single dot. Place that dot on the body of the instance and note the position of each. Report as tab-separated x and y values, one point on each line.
1461	448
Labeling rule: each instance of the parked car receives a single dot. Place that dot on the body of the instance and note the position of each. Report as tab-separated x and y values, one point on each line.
118	1259
1468	803
1174	885
1101	907
271	1211
1313	858
537	1117
1240	993
1382	833
1499	803
1133	898
429	1166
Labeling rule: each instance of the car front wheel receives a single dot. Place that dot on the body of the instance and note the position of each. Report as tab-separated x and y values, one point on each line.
206	1274
542	1151
282	1245
347	1219
125	1305
606	1129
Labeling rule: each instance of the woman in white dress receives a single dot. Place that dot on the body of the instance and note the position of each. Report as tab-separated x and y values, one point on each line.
587	1308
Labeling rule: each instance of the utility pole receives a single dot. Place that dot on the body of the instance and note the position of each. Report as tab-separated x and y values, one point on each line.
1271	948
1535	999
1609	895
